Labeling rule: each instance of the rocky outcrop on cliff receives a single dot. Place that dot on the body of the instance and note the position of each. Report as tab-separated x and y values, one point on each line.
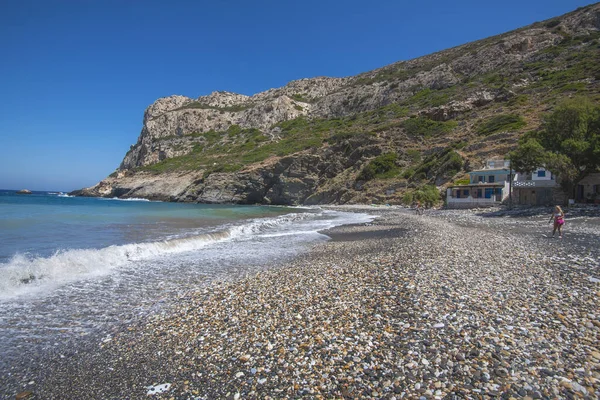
308	141
288	180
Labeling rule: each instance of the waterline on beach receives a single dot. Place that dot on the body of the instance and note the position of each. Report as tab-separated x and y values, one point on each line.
77	292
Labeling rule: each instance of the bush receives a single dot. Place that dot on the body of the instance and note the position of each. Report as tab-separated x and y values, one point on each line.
453	163
430	98
494	80
234	130
408	173
422	126
383	166
413	155
221	168
458	145
428	195
519	100
504	122
347	135
302	97
445	164
419	176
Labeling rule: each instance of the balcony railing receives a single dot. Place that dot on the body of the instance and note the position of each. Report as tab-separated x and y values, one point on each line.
533	184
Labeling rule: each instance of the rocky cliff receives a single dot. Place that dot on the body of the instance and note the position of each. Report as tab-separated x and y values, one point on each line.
365	138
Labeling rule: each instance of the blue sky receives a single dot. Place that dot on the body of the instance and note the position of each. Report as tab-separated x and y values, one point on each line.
76	76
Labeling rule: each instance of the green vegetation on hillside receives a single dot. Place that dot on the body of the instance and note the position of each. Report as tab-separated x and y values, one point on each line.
237	147
397	72
504	122
445	164
565	66
303	97
430	98
568	143
428	195
423	126
213	151
413	155
302	133
495	80
518	101
381	167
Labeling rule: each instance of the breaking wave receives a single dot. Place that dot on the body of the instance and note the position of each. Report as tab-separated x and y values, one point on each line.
127	199
26	273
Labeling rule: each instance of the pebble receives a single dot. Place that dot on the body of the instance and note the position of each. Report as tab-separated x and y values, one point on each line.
354	318
157	389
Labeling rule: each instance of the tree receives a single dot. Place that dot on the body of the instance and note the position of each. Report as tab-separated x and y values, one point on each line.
572	130
428	195
528	156
568	143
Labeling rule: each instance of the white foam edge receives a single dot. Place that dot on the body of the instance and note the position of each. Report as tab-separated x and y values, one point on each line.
26	274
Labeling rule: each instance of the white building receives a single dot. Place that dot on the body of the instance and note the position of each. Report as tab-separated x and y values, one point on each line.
536	189
486	188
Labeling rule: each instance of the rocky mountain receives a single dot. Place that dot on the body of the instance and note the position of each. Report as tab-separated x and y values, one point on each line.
368	138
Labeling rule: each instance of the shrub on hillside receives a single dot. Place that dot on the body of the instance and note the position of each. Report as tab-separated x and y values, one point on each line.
504	122
383	166
423	126
441	164
428	195
413	155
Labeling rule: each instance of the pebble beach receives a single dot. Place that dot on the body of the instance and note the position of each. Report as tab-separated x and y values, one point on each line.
451	304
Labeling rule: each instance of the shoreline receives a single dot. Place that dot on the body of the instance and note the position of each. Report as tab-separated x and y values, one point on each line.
404	306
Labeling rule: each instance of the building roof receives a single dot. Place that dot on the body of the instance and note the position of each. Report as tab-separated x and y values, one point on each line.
478	185
487	171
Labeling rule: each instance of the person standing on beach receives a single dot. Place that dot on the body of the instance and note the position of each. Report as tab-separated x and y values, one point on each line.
418	208
559	220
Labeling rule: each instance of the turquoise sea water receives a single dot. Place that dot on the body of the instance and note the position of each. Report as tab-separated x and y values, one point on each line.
41	224
72	266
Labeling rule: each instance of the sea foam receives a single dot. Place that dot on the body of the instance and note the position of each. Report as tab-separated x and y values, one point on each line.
26	274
